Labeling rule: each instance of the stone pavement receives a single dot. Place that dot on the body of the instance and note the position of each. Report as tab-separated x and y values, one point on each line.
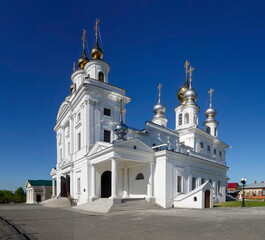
38	222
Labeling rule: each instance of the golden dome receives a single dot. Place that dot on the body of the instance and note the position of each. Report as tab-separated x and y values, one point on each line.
96	52
72	88
181	91
83	60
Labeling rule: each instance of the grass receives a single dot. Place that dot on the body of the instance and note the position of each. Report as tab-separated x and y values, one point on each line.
239	204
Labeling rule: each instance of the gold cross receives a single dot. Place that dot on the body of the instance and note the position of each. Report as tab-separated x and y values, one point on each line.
96	27
84	38
211	93
186	66
159	91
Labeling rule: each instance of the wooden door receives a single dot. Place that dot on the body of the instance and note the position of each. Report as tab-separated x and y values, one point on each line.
207	199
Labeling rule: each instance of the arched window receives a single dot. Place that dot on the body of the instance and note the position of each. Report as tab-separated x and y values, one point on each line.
208	130
186	118
101	76
180	119
139	176
215	132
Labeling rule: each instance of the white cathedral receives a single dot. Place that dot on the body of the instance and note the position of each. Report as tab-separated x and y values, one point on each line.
99	156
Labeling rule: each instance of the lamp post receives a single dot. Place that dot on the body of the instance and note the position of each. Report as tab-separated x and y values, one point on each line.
243	181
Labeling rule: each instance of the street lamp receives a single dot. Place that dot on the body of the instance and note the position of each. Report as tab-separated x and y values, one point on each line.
243	181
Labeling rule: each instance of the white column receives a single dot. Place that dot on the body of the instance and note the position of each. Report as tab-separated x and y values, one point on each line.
72	183
113	178
125	182
44	193
150	181
93	182
53	188
58	185
214	189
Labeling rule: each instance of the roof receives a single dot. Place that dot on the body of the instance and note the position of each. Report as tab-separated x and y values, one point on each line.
232	185
40	182
255	185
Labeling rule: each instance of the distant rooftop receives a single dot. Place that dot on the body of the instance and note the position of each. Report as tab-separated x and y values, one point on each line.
40	182
256	185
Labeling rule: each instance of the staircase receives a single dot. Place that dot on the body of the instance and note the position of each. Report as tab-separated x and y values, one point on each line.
61	202
105	205
101	205
133	205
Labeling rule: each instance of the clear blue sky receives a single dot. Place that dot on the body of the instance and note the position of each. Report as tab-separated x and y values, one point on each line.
145	42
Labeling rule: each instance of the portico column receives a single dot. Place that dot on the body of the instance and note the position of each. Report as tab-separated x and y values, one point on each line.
113	178
93	182
53	187
125	182
150	181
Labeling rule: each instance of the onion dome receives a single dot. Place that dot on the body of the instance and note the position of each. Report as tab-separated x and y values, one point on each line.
96	52
190	94
83	60
121	128
210	111
181	91
159	108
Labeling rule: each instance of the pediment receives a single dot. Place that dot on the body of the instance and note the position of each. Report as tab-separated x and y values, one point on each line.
132	143
53	172
27	185
63	108
99	146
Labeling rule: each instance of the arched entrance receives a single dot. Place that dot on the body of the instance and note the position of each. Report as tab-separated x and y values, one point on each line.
106	184
207	199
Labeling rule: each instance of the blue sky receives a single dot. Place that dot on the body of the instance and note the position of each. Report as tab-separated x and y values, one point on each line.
145	43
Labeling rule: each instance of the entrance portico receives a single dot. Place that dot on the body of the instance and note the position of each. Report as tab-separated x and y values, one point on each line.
114	172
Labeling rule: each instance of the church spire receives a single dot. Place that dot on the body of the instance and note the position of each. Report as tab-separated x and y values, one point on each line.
84	59
159	110
96	52
210	123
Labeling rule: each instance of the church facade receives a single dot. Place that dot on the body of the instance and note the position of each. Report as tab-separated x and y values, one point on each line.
99	156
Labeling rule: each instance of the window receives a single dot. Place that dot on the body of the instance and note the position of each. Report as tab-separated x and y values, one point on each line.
78	141
78	117
186	118
195	199
101	76
139	176
106	136
180	119
61	154
215	132
68	148
179	184
219	187
208	130
193	183
106	112
78	185
208	148
203	181
134	147
220	153
214	151
201	144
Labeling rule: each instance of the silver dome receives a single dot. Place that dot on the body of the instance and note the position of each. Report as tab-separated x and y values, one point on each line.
210	111
190	94
159	109
121	130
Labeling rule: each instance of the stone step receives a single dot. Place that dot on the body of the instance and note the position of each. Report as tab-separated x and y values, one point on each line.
61	202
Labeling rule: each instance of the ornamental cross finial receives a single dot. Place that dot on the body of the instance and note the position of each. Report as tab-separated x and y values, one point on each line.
191	69
186	66
74	66
84	39
211	94
96	27
159	92
121	108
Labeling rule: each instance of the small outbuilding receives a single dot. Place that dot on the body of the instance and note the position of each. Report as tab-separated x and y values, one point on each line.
38	190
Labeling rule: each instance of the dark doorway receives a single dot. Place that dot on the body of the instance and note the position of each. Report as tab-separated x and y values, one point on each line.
38	198
207	199
106	184
65	186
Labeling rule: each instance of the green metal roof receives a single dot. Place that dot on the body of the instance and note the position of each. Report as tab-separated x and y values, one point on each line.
40	182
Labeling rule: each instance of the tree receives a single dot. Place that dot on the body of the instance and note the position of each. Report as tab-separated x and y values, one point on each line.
20	195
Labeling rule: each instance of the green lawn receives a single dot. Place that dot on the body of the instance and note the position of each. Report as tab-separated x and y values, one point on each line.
239	204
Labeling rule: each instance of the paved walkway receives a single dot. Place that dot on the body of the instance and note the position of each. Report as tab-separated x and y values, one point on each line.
38	222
